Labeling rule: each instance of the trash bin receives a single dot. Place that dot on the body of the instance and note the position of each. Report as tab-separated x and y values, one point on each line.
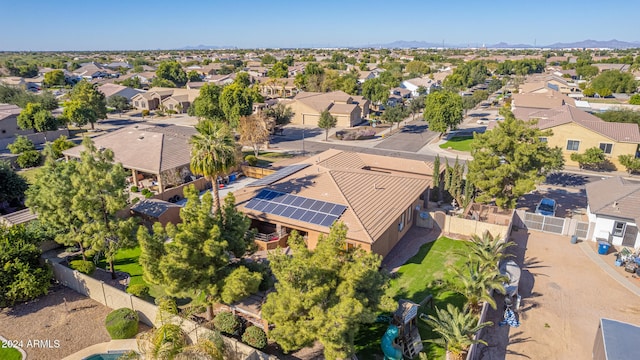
232	177
574	239
603	247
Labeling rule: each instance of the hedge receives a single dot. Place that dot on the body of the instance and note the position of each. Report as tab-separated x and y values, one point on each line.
122	323
83	266
227	322
254	336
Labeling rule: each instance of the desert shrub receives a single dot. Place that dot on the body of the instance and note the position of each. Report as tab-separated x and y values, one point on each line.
139	290
227	322
145	112
83	266
134	189
254	336
122	323
251	160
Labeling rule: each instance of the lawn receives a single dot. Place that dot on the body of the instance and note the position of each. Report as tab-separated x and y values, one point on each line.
10	354
127	261
458	143
416	279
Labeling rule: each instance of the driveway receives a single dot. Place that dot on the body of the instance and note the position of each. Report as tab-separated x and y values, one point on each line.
570	200
412	137
564	295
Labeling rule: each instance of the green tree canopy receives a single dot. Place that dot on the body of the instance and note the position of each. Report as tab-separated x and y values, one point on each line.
118	102
591	158
236	101
375	90
54	78
12	185
23	277
34	116
443	110
630	162
172	71
509	160
207	104
86	104
326	122
279	70
634	99
193	76
395	114
59	145
614	81
621	116
325	294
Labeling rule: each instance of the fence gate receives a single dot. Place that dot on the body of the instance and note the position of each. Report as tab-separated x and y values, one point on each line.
544	223
582	230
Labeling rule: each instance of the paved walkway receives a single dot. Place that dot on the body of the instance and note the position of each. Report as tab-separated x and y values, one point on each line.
587	248
113	346
408	246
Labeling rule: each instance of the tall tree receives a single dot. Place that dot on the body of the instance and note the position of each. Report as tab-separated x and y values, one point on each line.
198	256
475	281
86	104
376	91
443	111
193	76
118	102
12	185
279	70
207	104
280	114
213	153
326	122
34	116
325	294
172	71
236	101
395	115
509	160
254	132
54	78
415	106
437	188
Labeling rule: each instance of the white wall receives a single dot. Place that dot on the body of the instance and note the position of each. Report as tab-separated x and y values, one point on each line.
605	224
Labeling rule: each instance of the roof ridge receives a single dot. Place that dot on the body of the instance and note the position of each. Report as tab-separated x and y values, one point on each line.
355	214
622	183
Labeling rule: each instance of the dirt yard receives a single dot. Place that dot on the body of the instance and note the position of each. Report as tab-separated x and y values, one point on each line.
564	296
64	315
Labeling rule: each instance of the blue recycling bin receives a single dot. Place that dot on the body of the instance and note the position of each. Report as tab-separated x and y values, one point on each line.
603	247
232	177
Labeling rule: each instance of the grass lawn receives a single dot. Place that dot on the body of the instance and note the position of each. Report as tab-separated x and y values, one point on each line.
416	279
458	143
266	158
127	261
30	174
10	354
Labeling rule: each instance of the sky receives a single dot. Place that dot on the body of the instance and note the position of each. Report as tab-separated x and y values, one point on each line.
40	25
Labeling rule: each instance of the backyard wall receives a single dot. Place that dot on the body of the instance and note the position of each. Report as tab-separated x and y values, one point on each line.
460	226
115	299
36	138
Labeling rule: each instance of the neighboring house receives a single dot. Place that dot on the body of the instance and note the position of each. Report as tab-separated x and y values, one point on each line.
155	210
414	84
94	70
117	65
575	130
368	74
13	81
360	190
348	109
274	88
616	340
110	90
168	97
221	80
211	69
530	102
9	121
162	153
619	67
614	211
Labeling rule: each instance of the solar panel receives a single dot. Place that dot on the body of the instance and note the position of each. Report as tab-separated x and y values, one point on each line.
295	207
278	175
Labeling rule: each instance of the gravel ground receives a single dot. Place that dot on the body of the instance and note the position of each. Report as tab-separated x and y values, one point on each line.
75	321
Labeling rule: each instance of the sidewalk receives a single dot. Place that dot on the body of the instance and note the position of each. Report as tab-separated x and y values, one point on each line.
587	248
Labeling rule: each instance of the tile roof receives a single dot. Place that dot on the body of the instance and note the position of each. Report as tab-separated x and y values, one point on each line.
620	132
547	100
151	149
372	196
9	110
615	197
111	89
18	217
342	108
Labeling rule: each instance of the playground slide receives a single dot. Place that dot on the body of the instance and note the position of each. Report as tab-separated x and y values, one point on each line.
391	352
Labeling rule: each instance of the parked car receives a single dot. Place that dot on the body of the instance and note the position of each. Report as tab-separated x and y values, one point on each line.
547	207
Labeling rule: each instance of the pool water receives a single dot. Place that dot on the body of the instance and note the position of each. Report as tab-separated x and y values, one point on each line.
103	357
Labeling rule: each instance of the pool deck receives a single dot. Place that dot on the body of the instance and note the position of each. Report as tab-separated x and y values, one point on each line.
103	348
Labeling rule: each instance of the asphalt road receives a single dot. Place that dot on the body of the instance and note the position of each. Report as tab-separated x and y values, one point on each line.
411	137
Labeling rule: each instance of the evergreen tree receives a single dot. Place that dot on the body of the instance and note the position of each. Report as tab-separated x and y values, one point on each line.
86	104
326	122
436	178
325	294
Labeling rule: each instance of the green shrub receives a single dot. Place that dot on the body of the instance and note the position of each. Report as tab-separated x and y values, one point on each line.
145	112
122	323
251	160
254	336
134	189
29	158
227	322
139	290
83	266
148	195
135	200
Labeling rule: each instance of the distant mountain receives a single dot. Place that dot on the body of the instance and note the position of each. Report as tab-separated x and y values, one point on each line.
611	44
402	44
204	47
504	45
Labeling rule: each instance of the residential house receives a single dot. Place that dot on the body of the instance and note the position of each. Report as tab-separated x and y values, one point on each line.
156	210
422	82
117	65
9	129
175	99
211	69
575	130
525	103
159	153
110	90
221	80
614	211
348	109
368	74
360	190
619	67
94	70
274	88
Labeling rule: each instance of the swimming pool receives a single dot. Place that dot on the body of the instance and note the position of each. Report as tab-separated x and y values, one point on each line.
111	356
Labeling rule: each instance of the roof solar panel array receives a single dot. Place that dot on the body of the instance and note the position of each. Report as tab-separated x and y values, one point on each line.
296	207
280	174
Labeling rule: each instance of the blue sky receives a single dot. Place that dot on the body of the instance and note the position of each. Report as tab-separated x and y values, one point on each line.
118	24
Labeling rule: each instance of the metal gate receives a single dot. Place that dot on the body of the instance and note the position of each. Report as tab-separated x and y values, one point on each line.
630	235
544	223
582	230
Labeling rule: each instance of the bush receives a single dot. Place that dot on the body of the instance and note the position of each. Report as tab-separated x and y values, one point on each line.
356	135
139	290
145	112
254	336
227	322
134	189
135	200
251	160
122	323
83	266
29	158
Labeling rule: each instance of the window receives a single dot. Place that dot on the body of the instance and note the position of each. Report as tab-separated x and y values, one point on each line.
543	139
606	148
618	228
409	214
401	223
573	145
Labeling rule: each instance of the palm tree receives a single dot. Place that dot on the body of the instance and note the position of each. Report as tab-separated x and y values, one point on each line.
475	282
456	329
487	250
213	153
